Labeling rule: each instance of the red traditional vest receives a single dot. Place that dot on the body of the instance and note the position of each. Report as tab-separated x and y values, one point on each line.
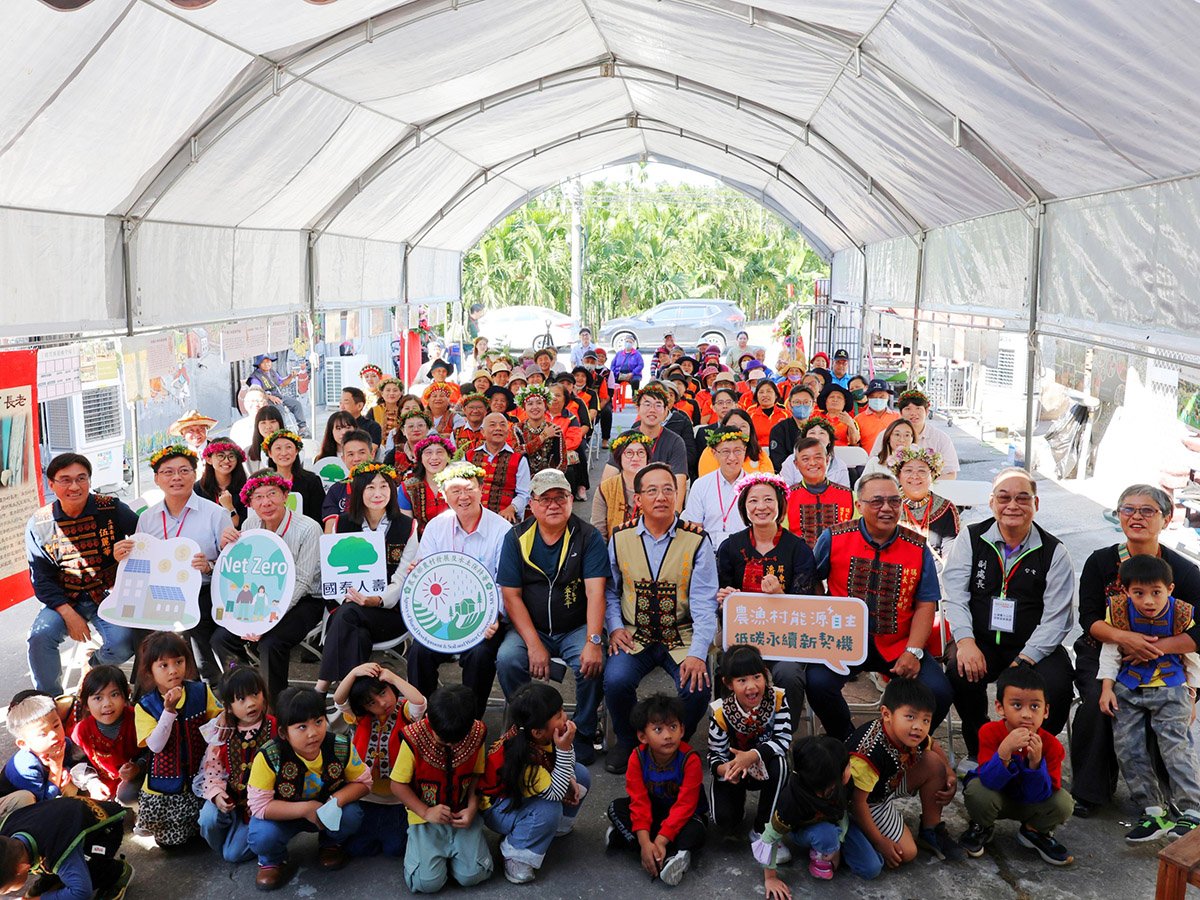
885	579
500	476
443	774
426	502
809	514
108	755
236	756
377	742
467	439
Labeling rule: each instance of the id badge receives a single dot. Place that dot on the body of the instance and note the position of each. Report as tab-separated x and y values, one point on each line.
1003	613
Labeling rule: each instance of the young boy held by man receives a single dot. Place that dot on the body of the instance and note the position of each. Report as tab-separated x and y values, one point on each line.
895	757
1160	693
47	763
665	812
1020	772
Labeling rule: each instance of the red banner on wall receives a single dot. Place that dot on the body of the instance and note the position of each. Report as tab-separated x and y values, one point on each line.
20	470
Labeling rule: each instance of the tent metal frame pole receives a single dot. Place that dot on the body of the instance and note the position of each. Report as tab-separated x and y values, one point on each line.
1031	358
127	236
914	364
863	349
310	315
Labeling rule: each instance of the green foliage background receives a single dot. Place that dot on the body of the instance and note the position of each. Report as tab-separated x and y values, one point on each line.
643	245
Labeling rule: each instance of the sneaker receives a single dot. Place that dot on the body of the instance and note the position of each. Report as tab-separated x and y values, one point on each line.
1046	846
783	855
618	759
1154	824
585	749
937	841
566	824
612	838
1083	809
819	865
116	890
674	868
965	767
975	839
1184	825
518	872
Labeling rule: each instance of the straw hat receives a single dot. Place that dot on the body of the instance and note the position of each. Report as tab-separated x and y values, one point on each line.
191	419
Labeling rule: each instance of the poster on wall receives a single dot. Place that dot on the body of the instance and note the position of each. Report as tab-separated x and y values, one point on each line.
20	469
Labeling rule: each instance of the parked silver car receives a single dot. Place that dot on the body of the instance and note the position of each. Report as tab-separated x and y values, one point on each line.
690	321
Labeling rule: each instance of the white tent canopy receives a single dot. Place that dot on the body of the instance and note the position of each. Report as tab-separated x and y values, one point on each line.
161	165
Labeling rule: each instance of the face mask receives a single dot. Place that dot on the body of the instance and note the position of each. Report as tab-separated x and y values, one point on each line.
858	396
628	346
803	411
794	377
877	404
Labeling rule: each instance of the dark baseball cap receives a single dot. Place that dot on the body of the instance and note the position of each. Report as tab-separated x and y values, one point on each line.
841	354
878	384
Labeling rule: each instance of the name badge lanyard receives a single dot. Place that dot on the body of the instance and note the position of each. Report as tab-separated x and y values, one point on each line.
166	536
1008	577
725	510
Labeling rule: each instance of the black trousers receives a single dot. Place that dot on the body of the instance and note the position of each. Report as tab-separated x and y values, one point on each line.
971	699
691	835
275	647
728	799
606	415
351	632
1094	767
791	677
478	668
201	638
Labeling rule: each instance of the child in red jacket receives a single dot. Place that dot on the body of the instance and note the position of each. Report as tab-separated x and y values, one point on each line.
665	812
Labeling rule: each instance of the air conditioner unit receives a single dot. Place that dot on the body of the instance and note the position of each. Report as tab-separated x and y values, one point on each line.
341	371
91	422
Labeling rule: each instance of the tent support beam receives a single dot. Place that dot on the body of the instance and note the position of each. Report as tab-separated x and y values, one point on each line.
918	291
863	347
1031	360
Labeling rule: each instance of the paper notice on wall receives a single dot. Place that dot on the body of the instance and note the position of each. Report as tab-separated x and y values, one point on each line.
281	333
233	342
256	337
58	372
137	372
20	469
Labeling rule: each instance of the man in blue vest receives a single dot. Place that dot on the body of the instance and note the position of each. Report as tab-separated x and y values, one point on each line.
553	572
1009	597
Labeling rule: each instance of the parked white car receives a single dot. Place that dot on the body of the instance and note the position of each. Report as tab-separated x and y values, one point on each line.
523	327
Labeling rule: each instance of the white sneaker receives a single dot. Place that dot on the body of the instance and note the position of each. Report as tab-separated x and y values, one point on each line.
566	825
518	872
674	868
783	855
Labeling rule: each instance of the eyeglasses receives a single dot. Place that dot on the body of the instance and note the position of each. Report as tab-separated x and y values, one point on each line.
880	502
730	452
552	499
664	491
181	472
65	481
1146	512
1020	499
226	456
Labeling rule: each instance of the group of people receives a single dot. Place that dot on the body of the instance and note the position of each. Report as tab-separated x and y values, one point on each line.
695	507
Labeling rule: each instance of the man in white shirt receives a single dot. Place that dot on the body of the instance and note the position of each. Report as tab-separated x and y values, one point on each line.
585	345
712	501
913	407
466	527
266	496
181	513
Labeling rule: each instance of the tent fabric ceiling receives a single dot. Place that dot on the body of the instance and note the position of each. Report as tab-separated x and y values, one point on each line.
420	122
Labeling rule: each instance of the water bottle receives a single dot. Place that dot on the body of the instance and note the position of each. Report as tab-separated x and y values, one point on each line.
1012	454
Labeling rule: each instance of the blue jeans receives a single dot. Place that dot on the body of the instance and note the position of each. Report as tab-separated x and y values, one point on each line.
384	830
824	688
512	666
49	630
226	833
857	852
529	830
269	838
622	675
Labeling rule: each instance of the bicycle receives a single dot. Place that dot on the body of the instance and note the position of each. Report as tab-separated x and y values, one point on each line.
545	341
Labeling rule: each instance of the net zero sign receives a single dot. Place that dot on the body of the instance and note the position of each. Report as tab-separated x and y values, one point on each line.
448	601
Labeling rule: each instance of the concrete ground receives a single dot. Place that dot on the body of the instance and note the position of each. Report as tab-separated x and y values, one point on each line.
577	865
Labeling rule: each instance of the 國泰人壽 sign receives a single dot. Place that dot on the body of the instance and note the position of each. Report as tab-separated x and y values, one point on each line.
448	601
798	628
252	583
331	469
353	561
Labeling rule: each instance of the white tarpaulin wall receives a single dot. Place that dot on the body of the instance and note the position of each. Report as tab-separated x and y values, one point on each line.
160	165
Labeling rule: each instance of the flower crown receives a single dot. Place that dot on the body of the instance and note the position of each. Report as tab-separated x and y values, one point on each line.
391	379
165	453
618	444
282	433
431	439
458	469
473	398
534	390
774	481
370	367
918	454
654	390
804	425
416	414
215	447
912	396
253	484
438	387
725	433
373	468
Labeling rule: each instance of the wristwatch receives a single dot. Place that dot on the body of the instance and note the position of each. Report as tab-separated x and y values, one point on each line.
595	639
918	652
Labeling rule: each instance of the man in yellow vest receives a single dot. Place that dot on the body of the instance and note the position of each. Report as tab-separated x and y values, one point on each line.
661	607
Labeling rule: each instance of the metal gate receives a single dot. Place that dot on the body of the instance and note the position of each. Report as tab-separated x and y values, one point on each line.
836	326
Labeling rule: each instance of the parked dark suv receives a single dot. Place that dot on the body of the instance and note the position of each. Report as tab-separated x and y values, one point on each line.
690	321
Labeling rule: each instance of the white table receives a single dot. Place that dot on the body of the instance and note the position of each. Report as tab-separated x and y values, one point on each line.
964	493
